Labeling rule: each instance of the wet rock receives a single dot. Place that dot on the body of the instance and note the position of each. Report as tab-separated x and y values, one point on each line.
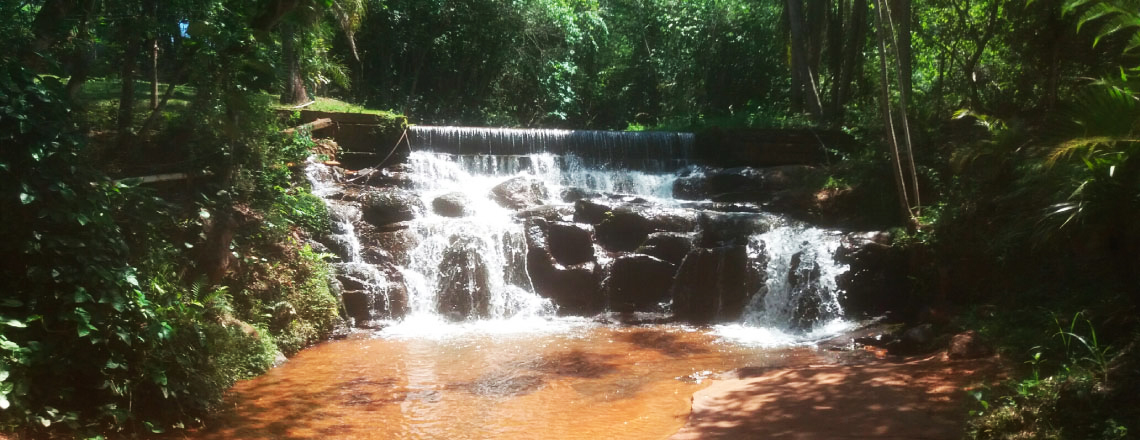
727	229
383	246
592	211
915	340
712	285
739	184
571	195
627	226
389	301
574	289
804	280
519	193
876	281
357	305
638	282
451	205
705	205
389	206
570	243
383	177
968	345
668	246
550	213
464	287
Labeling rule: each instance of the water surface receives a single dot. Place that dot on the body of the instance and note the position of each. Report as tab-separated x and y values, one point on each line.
575	380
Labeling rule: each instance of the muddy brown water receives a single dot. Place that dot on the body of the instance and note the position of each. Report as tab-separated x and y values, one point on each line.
589	382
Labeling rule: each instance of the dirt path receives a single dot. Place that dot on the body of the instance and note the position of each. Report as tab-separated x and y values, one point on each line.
913	398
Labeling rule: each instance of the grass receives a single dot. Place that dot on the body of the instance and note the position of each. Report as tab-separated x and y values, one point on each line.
99	103
323	104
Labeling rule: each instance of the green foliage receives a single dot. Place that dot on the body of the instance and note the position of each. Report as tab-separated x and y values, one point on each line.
289	295
1065	394
129	335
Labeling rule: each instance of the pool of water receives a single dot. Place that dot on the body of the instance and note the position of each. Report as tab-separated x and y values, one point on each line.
569	380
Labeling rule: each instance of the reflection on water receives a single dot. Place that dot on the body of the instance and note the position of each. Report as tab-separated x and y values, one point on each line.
583	381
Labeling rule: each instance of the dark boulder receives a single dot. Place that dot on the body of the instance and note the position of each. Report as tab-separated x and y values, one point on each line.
464	284
570	243
638	282
668	246
592	211
451	205
622	231
365	301
571	195
385	207
627	226
740	184
727	229
384	246
968	345
919	339
550	213
519	193
574	289
396	176
803	278
876	281
712	285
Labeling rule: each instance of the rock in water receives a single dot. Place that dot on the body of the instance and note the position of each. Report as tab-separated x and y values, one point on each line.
570	243
712	285
451	205
574	289
464	285
638	282
389	206
519	193
668	246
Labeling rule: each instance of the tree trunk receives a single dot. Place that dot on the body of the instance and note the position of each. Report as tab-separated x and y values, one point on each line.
901	17
885	109
904	79
127	77
294	93
800	66
852	56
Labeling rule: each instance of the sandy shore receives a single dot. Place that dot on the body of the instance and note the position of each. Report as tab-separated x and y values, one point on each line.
905	398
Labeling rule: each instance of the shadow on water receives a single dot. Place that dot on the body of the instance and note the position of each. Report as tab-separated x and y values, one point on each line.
299	408
664	342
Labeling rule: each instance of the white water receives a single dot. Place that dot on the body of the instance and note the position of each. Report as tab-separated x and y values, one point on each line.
782	312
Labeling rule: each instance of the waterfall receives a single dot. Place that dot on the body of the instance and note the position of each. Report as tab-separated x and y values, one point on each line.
650	150
506	224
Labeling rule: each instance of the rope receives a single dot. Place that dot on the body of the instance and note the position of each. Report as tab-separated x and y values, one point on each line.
403	137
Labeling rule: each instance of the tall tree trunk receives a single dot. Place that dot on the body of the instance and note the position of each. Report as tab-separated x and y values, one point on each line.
901	16
127	77
153	74
294	93
800	66
84	54
885	109
904	76
852	55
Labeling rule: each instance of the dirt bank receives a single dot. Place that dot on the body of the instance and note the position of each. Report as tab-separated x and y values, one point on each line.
904	398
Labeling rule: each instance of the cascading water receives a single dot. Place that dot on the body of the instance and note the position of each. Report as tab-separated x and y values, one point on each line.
471	245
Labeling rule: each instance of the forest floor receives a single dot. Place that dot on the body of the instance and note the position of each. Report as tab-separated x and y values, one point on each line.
888	398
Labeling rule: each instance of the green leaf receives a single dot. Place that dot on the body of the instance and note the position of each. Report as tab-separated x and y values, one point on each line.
15	323
44	421
26	198
4	404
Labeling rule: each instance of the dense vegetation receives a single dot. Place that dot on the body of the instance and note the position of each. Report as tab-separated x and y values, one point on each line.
1006	129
